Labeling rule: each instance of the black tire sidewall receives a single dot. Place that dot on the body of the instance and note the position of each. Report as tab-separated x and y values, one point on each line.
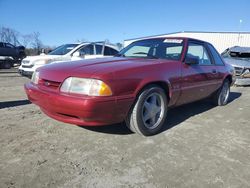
220	103
7	65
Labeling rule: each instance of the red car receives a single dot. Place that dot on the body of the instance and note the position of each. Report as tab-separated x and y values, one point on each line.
138	86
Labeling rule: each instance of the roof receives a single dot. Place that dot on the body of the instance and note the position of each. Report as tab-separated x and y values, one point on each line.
101	43
223	32
240	49
173	37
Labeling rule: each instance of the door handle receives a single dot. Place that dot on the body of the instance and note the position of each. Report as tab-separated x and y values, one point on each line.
214	71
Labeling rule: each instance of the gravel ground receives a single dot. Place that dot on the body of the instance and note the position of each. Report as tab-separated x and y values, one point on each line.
201	146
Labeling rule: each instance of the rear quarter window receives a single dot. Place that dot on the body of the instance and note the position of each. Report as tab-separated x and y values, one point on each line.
216	56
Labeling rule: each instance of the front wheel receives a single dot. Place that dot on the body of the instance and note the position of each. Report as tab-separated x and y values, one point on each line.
148	115
221	97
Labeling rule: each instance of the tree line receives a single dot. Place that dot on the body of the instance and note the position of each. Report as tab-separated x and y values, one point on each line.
31	41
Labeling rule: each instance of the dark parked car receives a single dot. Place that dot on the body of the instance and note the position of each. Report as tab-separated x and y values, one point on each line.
138	86
239	58
6	62
9	50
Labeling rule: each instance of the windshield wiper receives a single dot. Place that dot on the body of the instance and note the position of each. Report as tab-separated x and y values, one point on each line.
148	55
119	55
153	57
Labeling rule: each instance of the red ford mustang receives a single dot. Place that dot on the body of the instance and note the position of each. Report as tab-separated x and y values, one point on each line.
138	86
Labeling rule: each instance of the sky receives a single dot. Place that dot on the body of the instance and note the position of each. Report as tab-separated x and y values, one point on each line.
66	21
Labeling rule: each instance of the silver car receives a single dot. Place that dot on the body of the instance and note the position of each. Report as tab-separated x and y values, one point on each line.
239	58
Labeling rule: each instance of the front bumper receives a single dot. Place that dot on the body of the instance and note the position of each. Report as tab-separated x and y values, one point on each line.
85	111
242	81
242	76
25	73
27	70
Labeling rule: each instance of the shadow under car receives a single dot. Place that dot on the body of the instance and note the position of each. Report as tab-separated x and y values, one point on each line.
175	116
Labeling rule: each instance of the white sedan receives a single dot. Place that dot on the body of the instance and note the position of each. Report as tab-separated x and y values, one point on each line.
67	52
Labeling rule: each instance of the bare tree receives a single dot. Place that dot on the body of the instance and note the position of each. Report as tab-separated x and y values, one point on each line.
26	39
31	42
81	40
9	35
36	42
119	45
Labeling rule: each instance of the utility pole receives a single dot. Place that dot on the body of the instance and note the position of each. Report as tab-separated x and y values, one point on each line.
239	31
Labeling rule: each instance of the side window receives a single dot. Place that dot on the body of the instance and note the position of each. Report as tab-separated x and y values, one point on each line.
8	45
216	55
109	51
113	51
1	45
173	52
98	49
87	50
225	53
200	52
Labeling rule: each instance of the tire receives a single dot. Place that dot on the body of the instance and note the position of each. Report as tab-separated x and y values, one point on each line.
21	55
7	65
148	115
220	98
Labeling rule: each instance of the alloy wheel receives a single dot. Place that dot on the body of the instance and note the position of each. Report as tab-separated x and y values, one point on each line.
152	110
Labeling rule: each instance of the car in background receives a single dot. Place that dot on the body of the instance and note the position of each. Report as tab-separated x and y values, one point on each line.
239	58
138	86
67	52
9	50
6	62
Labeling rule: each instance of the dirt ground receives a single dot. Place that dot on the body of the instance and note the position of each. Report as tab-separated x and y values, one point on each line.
201	146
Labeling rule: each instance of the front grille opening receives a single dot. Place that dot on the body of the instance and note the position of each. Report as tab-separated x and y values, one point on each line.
50	84
27	66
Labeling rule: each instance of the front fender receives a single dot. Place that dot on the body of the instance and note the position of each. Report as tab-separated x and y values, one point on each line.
149	81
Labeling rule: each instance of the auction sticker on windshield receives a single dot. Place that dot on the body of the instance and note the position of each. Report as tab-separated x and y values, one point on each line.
179	41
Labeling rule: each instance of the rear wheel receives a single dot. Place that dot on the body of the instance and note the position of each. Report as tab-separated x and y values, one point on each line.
148	115
7	65
221	97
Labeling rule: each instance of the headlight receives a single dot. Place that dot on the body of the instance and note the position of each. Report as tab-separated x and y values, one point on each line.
246	74
35	77
41	62
84	86
24	62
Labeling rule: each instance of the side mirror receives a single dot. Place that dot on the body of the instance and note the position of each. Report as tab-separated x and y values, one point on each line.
76	54
192	61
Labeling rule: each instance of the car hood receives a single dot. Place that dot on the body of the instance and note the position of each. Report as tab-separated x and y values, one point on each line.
87	68
238	62
21	47
42	57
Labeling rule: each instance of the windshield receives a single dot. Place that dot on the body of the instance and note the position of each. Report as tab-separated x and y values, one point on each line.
236	55
62	50
154	49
